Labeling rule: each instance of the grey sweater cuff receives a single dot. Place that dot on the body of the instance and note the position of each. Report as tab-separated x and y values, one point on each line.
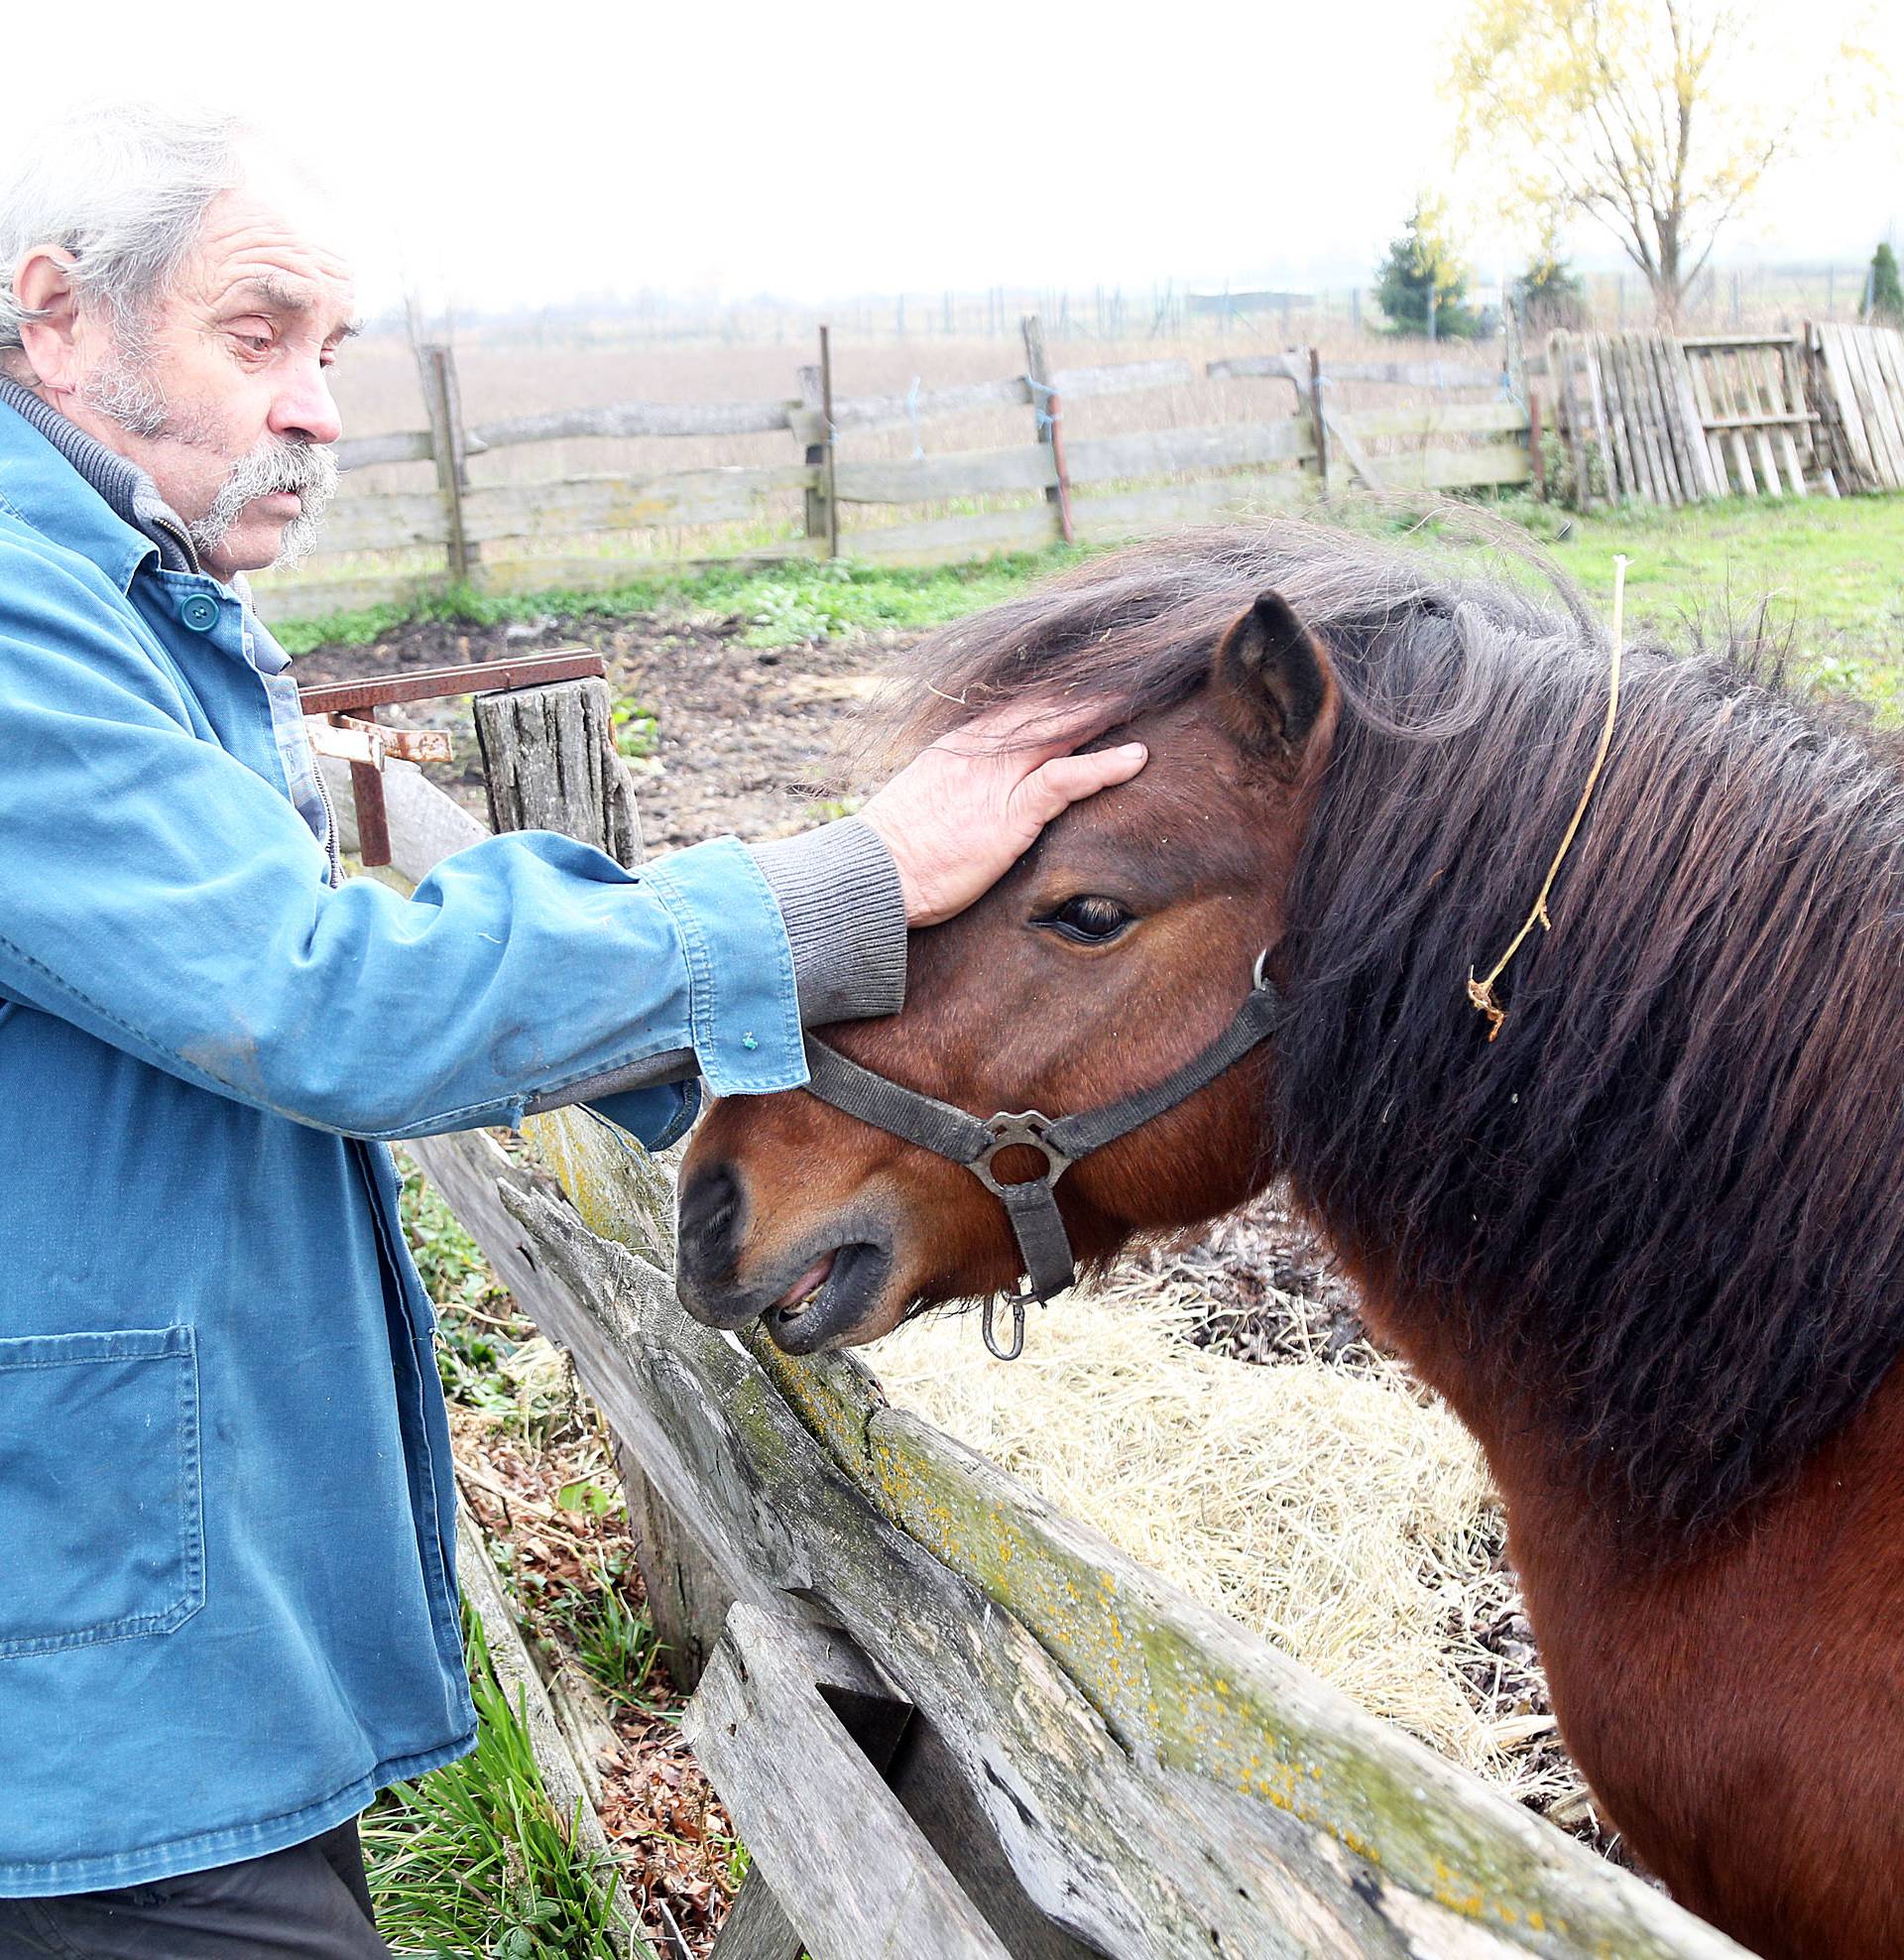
839	895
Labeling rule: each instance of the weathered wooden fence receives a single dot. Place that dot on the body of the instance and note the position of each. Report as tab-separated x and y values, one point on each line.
1677	421
1056	484
1342	435
947	1720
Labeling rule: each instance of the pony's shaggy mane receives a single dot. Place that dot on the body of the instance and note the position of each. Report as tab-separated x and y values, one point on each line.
1660	1210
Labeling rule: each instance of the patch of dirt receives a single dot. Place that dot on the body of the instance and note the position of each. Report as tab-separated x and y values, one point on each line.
742	734
1269	1291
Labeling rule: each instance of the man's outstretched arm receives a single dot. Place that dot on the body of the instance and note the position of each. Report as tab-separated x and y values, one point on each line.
158	893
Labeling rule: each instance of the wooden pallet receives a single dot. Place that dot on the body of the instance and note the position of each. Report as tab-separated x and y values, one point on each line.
1857	381
1658	419
1755	414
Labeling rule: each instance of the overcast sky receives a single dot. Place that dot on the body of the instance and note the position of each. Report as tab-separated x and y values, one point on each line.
520	154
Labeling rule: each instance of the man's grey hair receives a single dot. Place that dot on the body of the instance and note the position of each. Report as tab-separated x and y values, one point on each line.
123	187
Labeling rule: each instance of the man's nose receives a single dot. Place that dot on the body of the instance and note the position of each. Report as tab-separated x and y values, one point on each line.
304	411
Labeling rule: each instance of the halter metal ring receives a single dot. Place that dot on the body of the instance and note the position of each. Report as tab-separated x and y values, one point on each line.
1011	1130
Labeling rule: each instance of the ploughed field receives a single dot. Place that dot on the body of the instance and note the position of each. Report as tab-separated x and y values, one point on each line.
1217	1409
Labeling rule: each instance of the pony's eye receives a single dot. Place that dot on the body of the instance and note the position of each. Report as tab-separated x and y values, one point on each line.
1092	920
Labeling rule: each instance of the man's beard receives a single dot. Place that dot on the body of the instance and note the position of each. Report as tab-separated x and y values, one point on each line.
121	388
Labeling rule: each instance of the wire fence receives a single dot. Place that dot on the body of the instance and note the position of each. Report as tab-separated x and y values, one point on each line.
1724	299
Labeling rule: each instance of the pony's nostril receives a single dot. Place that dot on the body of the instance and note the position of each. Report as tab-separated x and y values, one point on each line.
710	1217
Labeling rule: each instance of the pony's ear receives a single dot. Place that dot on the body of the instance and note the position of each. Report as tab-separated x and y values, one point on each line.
1270	680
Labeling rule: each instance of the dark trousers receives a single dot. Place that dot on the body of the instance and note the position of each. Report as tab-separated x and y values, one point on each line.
307	1903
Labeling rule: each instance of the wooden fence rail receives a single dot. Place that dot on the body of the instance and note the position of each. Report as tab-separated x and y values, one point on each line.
946	1718
1092	488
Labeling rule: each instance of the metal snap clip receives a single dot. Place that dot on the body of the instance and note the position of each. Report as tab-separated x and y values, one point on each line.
999	1349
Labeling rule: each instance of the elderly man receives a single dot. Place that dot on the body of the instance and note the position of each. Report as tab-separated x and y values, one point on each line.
227	1609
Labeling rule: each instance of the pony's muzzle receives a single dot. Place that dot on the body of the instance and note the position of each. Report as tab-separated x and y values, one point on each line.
813	1292
712	1211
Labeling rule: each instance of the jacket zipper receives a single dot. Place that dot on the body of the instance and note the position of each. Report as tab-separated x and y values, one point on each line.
330	824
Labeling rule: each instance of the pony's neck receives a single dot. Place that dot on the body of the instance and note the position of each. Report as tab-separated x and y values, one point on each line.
1655	1219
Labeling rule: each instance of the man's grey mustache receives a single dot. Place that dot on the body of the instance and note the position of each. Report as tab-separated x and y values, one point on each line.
306	470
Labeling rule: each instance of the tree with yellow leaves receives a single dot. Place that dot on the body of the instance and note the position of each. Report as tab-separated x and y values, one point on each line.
1657	117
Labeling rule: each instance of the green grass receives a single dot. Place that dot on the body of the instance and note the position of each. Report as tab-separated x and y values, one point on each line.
473	1859
1828	573
477	1325
613	1641
637	730
1836	568
1833	572
786	603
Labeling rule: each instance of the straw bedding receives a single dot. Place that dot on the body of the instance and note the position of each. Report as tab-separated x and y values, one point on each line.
1322	1500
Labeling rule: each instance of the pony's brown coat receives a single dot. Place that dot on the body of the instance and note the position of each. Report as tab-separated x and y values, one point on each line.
1648	1243
1659	1208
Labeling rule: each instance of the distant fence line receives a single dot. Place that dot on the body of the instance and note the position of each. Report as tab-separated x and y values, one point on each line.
1092	489
1722	298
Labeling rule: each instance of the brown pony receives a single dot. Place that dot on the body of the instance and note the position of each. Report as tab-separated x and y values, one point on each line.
1647	1242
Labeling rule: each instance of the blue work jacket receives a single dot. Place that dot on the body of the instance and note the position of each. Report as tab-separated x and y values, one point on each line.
227	1570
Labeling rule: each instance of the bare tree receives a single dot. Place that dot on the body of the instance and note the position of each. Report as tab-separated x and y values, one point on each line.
1651	116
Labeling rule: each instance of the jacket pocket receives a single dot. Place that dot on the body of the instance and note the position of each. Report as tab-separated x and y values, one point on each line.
101	1524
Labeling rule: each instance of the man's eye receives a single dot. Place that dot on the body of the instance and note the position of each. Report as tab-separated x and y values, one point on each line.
1091	920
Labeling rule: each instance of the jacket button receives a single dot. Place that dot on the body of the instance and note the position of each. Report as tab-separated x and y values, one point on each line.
199	612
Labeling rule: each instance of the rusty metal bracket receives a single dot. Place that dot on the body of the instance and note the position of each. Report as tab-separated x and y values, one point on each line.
356	737
353	739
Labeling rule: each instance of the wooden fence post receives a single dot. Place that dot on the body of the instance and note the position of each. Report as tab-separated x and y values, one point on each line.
830	453
1514	354
443	400
1318	422
551	764
1560	362
1037	372
550	760
819	516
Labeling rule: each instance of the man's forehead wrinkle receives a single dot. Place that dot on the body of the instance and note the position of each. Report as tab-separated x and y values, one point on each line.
284	294
243	241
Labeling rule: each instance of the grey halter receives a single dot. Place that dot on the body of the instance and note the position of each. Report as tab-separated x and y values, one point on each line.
1045	1246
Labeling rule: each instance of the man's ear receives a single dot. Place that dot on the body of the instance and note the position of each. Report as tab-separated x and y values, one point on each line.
43	290
1271	682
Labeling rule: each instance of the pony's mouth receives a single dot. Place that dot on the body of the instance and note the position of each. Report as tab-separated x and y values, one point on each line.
829	1299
